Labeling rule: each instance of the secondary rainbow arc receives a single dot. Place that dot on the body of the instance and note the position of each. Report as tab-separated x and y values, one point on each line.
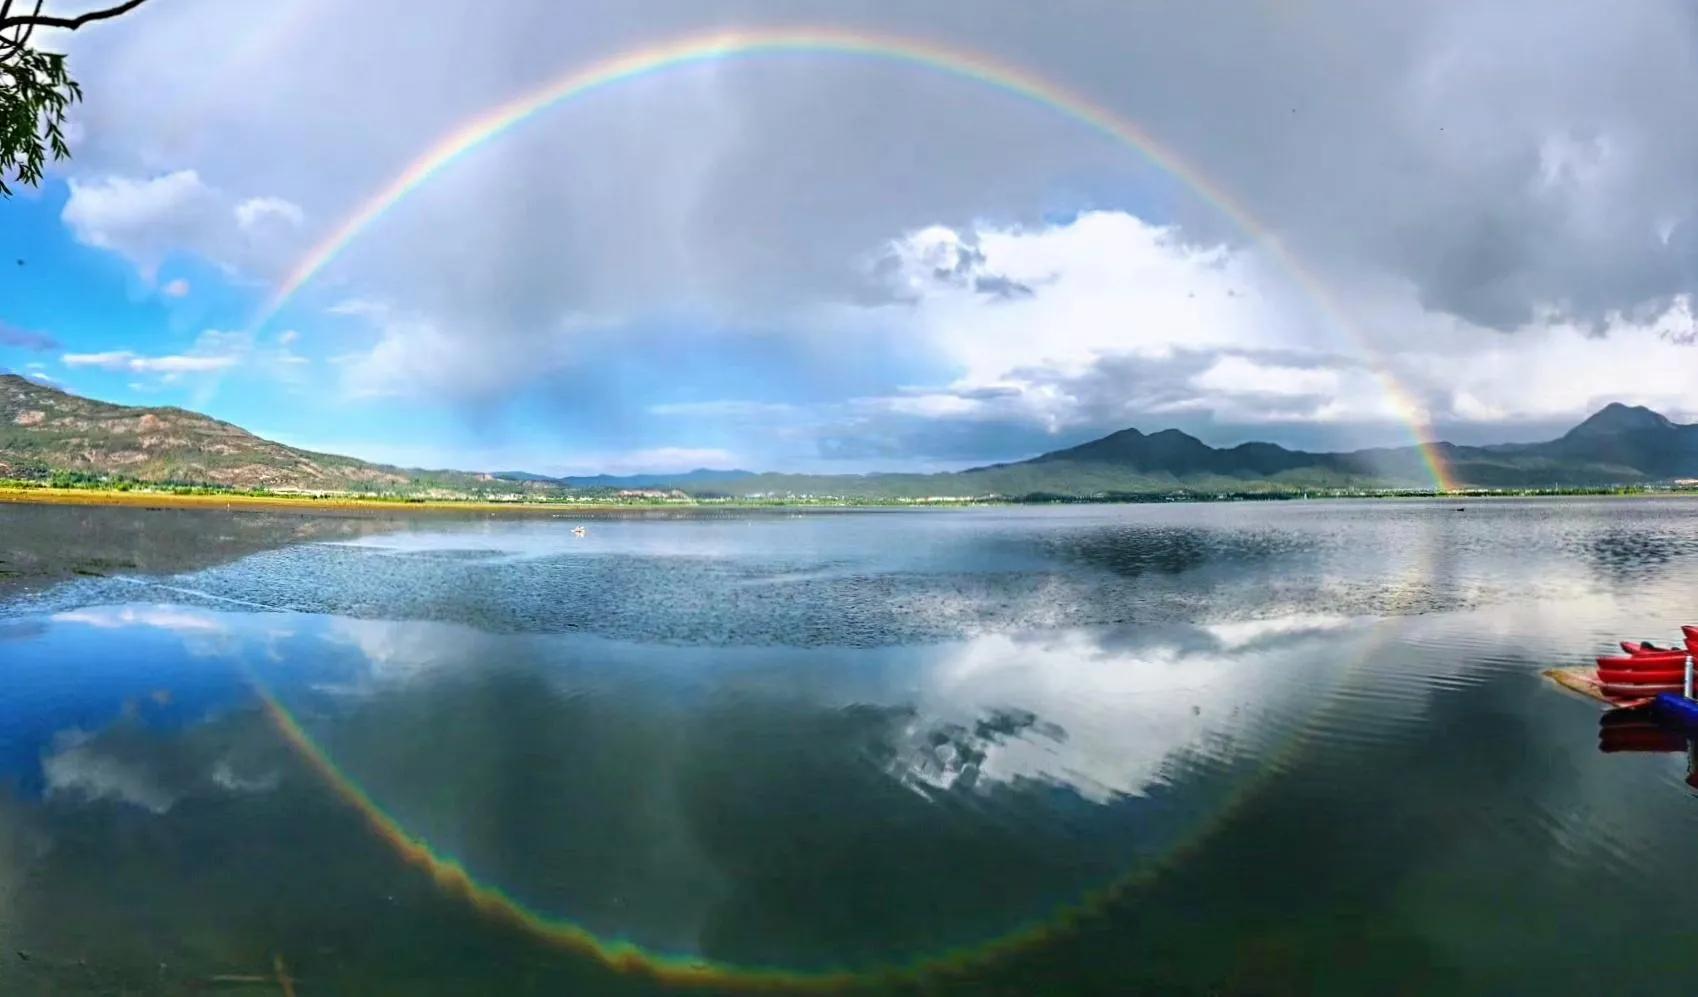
972	66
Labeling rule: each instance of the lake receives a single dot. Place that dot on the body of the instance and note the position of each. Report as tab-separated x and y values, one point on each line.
1282	747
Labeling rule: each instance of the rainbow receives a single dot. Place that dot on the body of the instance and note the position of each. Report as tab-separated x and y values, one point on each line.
971	66
691	972
684	971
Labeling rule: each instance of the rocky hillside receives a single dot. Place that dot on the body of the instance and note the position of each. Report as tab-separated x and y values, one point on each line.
43	430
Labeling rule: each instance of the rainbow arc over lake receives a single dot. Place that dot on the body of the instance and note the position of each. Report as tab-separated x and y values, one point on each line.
628	957
745	43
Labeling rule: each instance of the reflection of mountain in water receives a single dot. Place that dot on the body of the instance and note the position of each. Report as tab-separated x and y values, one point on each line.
43	545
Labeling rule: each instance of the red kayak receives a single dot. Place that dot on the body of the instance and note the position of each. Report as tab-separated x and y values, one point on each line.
1643	676
1645	662
1635	690
1636	648
1690	632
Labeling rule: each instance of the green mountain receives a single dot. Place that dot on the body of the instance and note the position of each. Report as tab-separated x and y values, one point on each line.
1619	445
44	431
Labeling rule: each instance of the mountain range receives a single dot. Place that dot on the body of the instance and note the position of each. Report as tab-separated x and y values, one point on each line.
44	431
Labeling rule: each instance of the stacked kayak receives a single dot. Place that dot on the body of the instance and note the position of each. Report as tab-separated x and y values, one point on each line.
1642	672
1673	708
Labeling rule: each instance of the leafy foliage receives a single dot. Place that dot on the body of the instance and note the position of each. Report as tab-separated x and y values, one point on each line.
36	90
35	93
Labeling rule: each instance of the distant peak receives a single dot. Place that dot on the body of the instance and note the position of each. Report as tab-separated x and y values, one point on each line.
1618	418
16	381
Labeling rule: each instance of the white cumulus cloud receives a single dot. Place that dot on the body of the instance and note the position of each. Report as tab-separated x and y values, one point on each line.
147	219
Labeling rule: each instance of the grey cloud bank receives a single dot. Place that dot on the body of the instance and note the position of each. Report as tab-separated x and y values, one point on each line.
1505	188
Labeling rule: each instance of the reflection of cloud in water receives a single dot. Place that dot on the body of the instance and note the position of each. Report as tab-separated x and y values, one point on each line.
1104	712
174	618
204	634
1107	713
153	770
1048	764
225	776
1245	633
78	766
687	536
943	756
398	651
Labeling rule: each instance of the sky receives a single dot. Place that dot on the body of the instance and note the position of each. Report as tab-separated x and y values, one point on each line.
1474	222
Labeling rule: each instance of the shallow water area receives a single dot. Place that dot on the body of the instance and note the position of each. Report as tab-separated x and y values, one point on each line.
1211	748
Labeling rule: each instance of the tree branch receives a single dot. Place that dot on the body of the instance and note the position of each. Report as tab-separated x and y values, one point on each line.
10	47
68	23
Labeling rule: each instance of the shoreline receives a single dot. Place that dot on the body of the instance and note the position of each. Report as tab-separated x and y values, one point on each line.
140	499
283	503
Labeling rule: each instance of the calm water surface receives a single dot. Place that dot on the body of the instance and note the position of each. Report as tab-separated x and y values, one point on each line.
1258	748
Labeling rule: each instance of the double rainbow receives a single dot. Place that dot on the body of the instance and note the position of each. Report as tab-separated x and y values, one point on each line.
745	43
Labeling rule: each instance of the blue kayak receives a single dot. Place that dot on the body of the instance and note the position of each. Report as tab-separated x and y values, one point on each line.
1676	710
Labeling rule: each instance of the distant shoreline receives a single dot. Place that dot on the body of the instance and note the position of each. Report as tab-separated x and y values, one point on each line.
150	499
272	503
137	498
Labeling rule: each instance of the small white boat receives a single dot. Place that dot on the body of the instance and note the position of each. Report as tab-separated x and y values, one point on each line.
579	531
